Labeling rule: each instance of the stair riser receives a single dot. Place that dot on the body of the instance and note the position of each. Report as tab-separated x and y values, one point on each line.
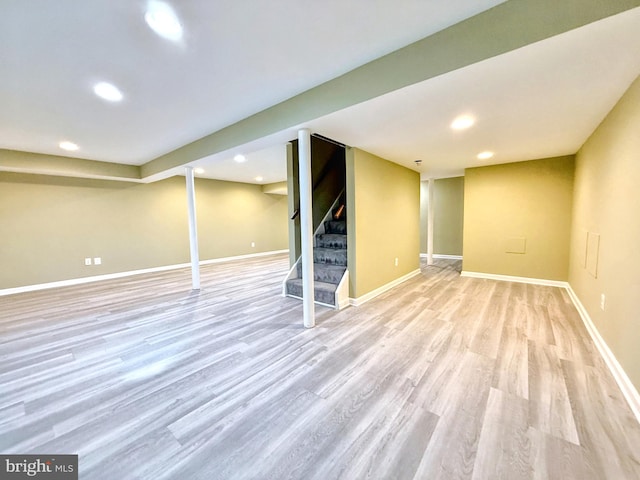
332	241
330	257
335	226
325	273
319	296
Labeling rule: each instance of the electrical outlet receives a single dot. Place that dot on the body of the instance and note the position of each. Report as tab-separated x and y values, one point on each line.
97	261
603	300
396	262
87	261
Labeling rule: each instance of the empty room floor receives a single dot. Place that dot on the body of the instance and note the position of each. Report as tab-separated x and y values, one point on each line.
442	377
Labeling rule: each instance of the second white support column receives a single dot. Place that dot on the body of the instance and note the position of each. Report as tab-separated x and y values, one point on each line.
430	223
193	229
306	225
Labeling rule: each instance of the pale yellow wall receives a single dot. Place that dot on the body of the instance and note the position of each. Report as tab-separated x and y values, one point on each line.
48	225
448	215
607	202
233	215
383	212
525	200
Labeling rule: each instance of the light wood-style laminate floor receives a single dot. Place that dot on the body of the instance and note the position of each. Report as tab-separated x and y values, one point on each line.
441	378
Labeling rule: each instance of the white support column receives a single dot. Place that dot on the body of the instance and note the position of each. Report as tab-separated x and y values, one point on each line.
193	229
306	225
430	223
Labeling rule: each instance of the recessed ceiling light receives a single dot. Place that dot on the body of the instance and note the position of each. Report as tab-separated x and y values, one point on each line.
199	170
163	20
485	155
240	158
463	122
107	91
69	146
259	179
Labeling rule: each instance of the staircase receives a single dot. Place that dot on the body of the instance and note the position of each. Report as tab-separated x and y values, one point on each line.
329	262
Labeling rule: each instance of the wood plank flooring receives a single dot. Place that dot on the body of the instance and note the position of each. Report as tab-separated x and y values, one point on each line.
442	377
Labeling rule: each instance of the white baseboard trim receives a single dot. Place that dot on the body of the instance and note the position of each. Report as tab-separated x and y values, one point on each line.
356	302
509	278
628	389
241	257
444	257
111	276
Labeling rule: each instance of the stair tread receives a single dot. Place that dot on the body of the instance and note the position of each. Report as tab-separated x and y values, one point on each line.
329	266
332	240
332	235
332	256
330	250
326	272
327	287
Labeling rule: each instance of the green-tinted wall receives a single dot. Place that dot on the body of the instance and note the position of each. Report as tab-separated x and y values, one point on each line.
517	218
607	203
232	215
383	213
448	204
50	224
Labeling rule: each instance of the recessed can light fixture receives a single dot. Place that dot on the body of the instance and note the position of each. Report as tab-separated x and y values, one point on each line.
163	20
259	179
463	122
69	146
485	155
199	170
107	91
240	158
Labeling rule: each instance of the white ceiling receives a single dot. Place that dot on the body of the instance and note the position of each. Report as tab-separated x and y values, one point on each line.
539	101
238	58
